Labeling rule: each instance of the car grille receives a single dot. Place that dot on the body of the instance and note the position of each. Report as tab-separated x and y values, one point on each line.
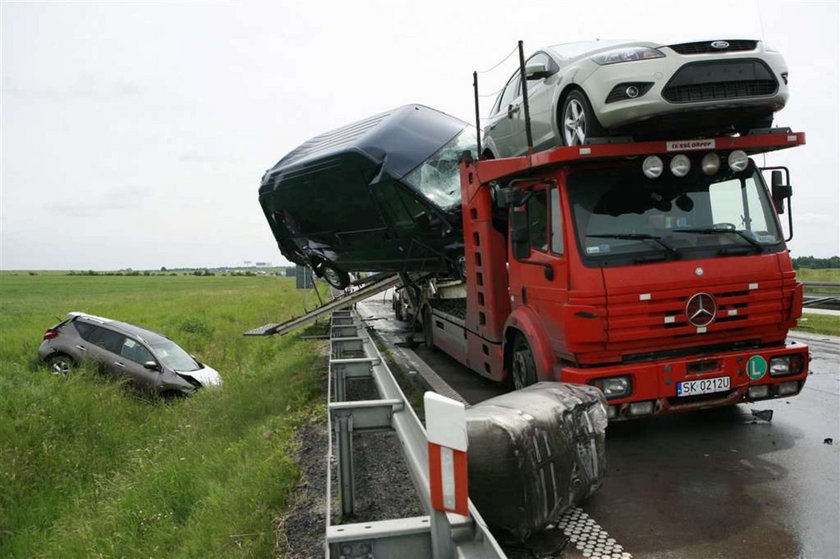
718	80
706	47
663	314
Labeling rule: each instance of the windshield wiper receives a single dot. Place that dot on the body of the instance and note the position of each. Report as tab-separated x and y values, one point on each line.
638	237
714	231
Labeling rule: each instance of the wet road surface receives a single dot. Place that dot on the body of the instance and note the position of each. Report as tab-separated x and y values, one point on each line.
716	483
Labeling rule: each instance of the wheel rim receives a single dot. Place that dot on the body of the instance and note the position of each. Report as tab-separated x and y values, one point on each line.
574	123
60	367
332	277
520	370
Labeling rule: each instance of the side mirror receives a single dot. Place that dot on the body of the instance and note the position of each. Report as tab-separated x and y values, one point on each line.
780	191
536	71
520	243
151	365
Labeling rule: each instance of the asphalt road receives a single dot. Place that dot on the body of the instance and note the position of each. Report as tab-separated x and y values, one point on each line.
718	483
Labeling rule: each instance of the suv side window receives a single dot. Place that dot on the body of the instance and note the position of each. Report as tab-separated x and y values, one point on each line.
103	337
135	351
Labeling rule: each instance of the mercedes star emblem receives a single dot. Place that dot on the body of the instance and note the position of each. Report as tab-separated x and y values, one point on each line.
701	309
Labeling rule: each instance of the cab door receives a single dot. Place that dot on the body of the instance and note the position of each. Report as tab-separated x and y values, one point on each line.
540	281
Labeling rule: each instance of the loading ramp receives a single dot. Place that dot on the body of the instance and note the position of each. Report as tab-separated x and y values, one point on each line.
341	302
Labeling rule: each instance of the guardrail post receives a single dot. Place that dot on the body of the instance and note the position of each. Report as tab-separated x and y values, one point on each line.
340	383
344	436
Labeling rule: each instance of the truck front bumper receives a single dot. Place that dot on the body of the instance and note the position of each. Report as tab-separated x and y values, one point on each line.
654	385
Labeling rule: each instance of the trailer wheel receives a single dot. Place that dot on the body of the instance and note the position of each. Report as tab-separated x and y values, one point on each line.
523	368
428	335
398	310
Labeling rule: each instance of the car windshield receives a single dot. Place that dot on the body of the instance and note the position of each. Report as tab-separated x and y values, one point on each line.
439	178
620	215
172	356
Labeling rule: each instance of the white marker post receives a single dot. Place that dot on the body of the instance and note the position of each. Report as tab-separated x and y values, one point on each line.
446	432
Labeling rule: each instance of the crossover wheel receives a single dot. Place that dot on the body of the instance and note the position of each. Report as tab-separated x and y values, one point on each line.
60	365
523	368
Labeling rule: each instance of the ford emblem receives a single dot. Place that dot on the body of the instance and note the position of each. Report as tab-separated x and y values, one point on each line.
720	45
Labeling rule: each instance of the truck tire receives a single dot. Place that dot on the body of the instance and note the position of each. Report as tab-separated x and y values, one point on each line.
428	333
523	370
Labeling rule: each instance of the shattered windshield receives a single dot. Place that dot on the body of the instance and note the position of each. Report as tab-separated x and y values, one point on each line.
620	215
439	177
173	356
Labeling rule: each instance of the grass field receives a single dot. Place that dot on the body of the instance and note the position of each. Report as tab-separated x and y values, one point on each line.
87	468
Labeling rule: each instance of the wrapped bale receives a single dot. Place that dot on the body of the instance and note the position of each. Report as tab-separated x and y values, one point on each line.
534	453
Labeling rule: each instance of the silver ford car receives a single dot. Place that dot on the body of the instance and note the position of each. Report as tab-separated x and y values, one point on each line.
150	360
579	91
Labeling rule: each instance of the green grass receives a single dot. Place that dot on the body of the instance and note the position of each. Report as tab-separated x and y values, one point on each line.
819	324
87	468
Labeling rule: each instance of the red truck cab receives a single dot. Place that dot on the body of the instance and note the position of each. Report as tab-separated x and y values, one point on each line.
657	271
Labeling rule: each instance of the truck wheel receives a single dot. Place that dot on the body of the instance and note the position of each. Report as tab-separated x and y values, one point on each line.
339	279
523	369
428	335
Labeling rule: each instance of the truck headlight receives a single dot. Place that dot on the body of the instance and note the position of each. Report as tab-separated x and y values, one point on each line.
627	54
738	160
614	387
786	365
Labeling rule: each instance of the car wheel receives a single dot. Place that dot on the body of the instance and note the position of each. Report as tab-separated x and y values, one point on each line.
60	365
339	279
523	369
577	121
428	335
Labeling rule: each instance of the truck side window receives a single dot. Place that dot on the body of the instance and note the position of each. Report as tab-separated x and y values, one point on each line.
556	221
538	224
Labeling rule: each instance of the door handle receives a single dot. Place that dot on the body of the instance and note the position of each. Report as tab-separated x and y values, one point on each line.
81	348
118	364
512	110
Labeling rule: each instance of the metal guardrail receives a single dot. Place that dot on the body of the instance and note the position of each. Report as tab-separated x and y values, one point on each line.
820	284
353	355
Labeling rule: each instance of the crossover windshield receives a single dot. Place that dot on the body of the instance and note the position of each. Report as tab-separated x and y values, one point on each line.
439	177
173	357
622	216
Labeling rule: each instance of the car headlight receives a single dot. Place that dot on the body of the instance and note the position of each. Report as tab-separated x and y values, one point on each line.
786	365
614	387
626	54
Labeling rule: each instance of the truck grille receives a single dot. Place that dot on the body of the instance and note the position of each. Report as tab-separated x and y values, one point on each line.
711	81
704	47
662	314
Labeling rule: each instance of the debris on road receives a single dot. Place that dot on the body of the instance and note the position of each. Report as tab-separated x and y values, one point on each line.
763	415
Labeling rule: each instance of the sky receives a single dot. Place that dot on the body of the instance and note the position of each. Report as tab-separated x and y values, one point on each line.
135	134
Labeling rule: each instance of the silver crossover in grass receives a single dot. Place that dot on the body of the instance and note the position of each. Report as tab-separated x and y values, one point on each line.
150	360
578	91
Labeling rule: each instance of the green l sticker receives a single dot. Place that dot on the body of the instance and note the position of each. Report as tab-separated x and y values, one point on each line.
756	367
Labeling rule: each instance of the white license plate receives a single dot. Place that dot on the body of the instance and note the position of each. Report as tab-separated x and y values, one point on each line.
702	386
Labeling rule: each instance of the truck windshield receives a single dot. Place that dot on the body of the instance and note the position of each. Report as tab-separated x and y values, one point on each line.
621	216
439	177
